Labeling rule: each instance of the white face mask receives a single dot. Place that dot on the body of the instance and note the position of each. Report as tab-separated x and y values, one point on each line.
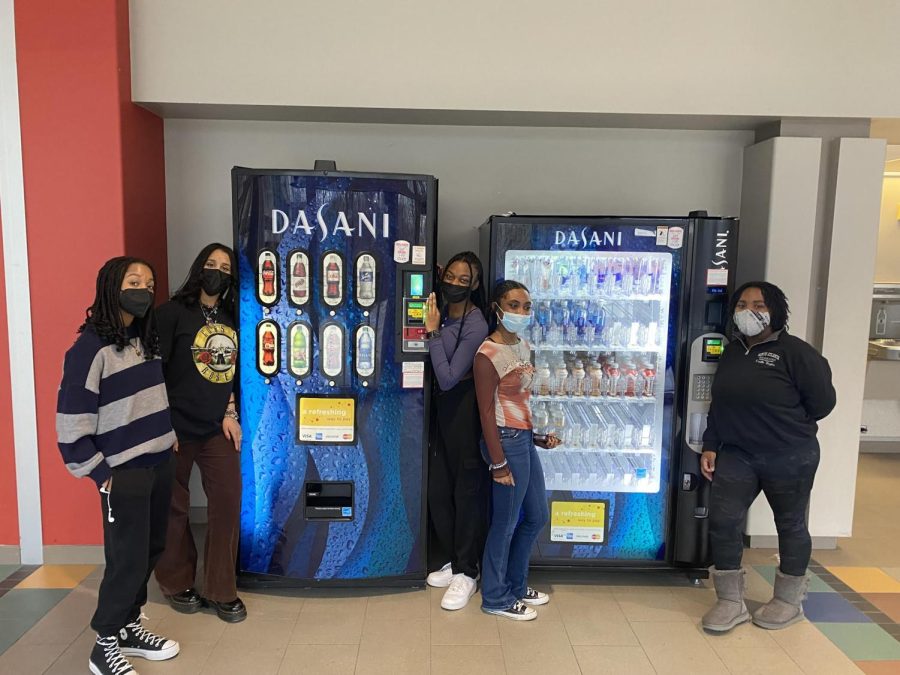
751	323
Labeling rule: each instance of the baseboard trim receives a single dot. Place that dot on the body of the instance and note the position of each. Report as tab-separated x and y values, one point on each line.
771	541
73	555
10	555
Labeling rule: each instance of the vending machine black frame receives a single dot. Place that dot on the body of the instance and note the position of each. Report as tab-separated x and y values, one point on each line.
686	542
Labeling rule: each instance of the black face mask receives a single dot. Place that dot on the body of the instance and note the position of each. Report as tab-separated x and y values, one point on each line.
451	293
136	301
214	282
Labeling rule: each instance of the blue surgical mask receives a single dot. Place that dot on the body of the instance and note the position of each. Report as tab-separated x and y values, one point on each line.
515	323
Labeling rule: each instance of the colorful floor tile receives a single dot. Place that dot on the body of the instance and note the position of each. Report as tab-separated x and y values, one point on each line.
832	608
28	602
57	576
866	579
862	641
6	570
889	603
816	585
879	667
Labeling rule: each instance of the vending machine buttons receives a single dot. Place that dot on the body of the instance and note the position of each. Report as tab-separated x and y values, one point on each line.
365	351
299	349
365	280
332	350
298	268
332	279
268	347
267	278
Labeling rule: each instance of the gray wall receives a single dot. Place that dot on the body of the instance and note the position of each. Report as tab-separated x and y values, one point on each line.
482	170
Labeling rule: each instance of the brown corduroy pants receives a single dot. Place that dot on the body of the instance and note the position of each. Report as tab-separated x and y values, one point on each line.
220	471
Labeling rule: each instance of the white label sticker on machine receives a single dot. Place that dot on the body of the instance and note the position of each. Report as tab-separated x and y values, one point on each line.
716	277
413	374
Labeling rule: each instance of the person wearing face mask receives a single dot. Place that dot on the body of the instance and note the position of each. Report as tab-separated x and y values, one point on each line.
457	482
503	374
199	346
769	392
113	426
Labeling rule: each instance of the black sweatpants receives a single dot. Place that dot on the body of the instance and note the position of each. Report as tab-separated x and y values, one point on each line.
786	478
458	479
133	542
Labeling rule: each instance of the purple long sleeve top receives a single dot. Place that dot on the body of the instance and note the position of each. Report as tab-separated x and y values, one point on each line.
451	366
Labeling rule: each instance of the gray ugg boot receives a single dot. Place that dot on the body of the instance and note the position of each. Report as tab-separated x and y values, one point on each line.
729	610
786	606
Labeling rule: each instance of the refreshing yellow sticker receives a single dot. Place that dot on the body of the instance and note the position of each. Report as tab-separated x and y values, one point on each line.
326	420
578	522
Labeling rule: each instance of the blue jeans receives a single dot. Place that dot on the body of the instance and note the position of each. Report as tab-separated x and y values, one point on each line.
504	571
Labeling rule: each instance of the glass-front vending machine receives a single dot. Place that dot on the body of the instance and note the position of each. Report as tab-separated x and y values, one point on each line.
629	322
334	271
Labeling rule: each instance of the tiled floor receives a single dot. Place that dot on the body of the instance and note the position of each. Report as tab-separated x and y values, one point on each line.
598	623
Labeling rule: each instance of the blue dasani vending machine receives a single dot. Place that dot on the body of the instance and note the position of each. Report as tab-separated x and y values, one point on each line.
334	269
629	322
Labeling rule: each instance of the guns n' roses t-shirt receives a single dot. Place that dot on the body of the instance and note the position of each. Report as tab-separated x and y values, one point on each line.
199	359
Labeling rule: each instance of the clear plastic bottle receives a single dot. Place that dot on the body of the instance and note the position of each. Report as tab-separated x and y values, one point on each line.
578	376
630	374
560	378
648	374
612	378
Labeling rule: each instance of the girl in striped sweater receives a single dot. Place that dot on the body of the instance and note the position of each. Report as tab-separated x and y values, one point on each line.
113	426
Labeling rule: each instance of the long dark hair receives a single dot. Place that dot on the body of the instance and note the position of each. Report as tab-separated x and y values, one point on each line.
775	299
104	315
476	296
499	293
189	292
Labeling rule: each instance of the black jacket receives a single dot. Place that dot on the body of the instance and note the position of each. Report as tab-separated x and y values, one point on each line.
768	397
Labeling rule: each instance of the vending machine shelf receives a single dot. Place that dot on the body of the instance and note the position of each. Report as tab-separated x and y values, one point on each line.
598	348
606	400
599	471
537	296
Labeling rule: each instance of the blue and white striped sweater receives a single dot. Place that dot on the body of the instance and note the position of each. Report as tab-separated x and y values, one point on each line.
112	408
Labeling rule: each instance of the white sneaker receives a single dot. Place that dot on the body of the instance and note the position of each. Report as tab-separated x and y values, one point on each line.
441	578
518	612
461	589
533	597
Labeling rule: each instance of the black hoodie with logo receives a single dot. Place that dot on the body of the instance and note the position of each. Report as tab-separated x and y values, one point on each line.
768	397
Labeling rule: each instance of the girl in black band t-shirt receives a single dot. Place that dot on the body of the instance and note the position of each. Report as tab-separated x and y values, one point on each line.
199	346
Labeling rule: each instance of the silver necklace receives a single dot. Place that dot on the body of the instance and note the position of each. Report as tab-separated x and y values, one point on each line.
209	313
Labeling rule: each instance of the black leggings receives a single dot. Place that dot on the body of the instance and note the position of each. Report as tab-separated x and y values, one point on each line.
458	479
786	478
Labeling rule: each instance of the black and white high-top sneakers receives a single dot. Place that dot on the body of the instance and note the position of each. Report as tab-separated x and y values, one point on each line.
107	658
134	640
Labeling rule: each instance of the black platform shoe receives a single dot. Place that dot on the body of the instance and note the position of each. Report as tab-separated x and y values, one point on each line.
186	602
232	612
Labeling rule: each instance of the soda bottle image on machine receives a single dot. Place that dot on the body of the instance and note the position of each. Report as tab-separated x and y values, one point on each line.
365	351
267	281
333	279
365	280
298	263
335	413
615	343
267	341
300	349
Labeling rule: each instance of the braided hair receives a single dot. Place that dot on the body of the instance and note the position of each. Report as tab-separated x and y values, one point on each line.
775	299
104	316
500	292
189	292
476	295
